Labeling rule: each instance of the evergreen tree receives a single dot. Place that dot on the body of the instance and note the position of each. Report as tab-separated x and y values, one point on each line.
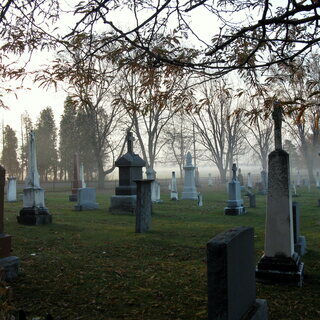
9	152
46	139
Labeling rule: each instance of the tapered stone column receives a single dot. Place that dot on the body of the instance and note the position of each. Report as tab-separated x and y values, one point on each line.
174	189
76	182
9	264
279	263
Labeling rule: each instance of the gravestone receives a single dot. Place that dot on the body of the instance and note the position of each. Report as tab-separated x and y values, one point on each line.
189	187
76	182
155	185
34	211
83	184
264	182
200	203
210	180
249	181
8	264
231	277
279	263
240	177
12	190
174	189
235	203
252	199
298	182
300	244
86	198
130	169
318	180
143	208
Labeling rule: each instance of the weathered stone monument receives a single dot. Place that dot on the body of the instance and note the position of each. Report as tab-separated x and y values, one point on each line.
231	278
174	189
155	185
12	190
76	182
34	211
143	210
86	198
210	180
249	181
279	263
235	203
9	265
189	187
240	177
83	183
130	169
300	243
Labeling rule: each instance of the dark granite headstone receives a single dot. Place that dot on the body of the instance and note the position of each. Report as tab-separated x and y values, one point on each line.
130	169
231	277
143	209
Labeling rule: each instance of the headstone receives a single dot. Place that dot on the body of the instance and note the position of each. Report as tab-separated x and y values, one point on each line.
83	184
200	203
34	211
252	199
174	189
8	264
76	182
231	278
318	180
12	189
279	263
189	187
130	169
143	209
298	182
249	181
264	181
300	244
210	180
240	177
86	198
155	185
235	203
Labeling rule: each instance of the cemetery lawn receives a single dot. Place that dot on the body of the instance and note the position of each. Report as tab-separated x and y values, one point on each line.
91	264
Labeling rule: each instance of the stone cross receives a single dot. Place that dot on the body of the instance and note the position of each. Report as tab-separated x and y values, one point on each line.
234	172
277	118
130	140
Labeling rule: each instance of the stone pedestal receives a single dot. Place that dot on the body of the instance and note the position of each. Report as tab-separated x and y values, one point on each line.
12	190
231	277
34	211
130	169
143	208
86	199
235	203
189	188
280	263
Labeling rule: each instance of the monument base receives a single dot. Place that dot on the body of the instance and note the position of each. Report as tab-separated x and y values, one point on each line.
34	216
123	204
10	267
189	195
301	246
234	211
73	198
259	311
280	270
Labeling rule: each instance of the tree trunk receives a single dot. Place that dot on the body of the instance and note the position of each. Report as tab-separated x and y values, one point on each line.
101	176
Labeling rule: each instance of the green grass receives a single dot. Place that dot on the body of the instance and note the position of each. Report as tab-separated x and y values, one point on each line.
91	264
